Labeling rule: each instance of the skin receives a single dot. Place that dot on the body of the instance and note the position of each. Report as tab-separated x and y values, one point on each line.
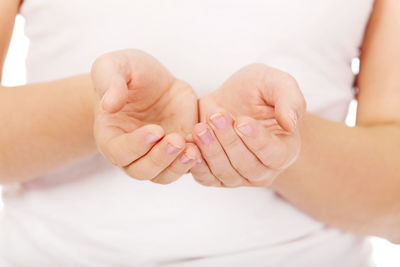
360	165
346	177
365	199
139	123
249	134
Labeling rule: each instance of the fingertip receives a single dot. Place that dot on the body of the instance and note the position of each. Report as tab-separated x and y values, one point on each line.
176	140
287	119
112	103
191	154
245	127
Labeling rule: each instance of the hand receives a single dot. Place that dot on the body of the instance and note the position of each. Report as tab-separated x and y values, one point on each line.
249	132
141	116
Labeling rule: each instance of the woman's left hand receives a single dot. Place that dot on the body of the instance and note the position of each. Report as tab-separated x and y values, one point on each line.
249	132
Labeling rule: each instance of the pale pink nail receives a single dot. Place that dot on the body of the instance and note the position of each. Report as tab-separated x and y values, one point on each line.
172	149
103	99
246	129
218	121
185	159
151	139
206	136
294	118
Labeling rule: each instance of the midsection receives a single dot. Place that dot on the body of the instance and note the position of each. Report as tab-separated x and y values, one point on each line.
112	218
92	208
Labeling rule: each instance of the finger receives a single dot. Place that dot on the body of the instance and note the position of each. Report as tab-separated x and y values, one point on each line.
273	151
159	158
110	81
116	95
180	166
240	157
125	148
189	138
203	175
215	156
282	91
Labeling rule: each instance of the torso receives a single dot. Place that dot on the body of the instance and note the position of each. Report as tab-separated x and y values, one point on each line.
94	215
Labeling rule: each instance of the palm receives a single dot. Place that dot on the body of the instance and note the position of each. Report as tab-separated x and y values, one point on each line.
242	94
154	96
260	92
174	109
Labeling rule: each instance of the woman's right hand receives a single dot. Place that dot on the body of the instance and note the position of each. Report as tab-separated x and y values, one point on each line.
142	114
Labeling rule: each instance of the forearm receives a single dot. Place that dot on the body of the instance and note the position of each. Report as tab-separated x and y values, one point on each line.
347	177
44	126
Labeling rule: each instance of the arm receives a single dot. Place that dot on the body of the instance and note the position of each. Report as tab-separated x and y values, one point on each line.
350	177
8	11
48	125
44	125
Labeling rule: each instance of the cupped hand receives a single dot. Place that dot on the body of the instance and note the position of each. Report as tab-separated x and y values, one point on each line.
142	115
249	132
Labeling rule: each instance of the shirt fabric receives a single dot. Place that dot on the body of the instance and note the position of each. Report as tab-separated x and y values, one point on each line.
90	213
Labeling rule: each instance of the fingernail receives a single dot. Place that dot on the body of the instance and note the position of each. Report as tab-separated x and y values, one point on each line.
185	159
104	98
199	161
218	120
245	129
151	139
205	136
294	118
189	138
172	149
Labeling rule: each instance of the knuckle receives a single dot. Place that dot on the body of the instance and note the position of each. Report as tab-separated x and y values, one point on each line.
232	143
156	161
141	174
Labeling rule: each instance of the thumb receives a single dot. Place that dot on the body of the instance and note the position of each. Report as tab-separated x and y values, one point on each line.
287	99
115	96
288	111
110	83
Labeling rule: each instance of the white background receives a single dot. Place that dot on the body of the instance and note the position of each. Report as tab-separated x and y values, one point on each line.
385	254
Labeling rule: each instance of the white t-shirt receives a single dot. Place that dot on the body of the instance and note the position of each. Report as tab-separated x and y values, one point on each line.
91	214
